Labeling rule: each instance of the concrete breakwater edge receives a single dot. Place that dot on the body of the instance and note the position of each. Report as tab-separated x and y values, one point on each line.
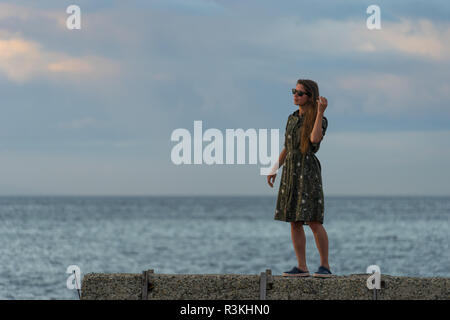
153	286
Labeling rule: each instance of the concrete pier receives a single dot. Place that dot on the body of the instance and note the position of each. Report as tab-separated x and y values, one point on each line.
153	286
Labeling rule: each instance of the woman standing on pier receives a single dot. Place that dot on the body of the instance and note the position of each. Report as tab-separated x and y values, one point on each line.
300	196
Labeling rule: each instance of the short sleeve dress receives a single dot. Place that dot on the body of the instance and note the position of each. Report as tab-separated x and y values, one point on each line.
300	196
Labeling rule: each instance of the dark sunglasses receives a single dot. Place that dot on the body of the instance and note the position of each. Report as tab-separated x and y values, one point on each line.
300	93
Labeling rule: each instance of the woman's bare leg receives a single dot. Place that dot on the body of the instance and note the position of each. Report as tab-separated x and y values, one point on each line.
321	237
299	242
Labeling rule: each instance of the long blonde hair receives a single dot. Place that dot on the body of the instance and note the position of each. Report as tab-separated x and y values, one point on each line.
310	113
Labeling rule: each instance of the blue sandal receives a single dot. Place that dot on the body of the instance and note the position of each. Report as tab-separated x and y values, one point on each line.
323	272
296	272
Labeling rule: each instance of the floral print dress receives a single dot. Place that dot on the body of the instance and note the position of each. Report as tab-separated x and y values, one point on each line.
300	196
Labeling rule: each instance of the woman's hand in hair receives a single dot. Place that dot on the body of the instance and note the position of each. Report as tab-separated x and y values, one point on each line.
322	104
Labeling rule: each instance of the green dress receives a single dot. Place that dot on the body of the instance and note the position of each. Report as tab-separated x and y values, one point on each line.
300	196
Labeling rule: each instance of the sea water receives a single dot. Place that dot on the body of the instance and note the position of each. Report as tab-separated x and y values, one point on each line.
42	235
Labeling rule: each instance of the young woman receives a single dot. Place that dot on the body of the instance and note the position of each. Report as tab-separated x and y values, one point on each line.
300	197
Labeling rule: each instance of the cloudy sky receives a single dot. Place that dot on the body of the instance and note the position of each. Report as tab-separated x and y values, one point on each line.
91	111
